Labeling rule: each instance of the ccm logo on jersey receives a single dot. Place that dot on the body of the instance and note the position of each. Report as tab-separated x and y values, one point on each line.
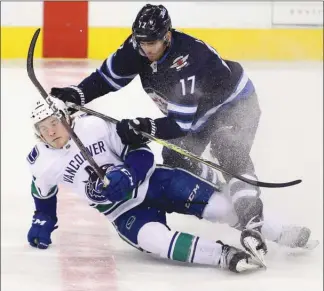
180	62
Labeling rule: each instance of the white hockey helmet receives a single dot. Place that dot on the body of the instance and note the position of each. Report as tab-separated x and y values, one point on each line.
42	110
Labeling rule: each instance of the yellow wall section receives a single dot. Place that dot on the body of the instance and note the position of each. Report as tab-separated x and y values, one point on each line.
237	44
102	41
15	42
244	44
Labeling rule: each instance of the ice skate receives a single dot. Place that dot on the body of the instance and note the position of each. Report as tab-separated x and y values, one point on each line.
236	260
296	237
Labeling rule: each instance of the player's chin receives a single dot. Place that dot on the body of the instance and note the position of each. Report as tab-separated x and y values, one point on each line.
152	58
58	142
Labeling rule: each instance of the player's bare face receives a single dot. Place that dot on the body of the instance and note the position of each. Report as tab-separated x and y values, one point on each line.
53	132
153	49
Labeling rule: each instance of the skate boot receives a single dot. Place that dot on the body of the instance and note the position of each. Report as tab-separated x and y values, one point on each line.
236	260
253	241
296	237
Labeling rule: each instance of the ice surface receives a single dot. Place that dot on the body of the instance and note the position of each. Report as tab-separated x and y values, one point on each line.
87	254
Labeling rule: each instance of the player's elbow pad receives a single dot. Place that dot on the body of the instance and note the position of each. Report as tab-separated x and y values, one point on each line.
141	161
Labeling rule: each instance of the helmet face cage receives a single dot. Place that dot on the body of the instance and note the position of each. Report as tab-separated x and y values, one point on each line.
151	23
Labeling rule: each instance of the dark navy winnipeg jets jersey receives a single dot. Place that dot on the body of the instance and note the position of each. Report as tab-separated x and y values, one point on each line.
189	84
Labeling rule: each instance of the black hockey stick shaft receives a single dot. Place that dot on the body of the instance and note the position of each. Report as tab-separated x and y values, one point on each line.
78	142
189	154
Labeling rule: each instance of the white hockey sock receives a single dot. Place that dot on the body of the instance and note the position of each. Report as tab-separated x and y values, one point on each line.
185	247
157	239
220	209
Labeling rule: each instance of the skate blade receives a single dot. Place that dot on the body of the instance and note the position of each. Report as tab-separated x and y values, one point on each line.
311	244
250	243
243	266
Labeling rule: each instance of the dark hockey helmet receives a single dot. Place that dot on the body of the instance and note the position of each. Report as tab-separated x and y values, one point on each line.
152	23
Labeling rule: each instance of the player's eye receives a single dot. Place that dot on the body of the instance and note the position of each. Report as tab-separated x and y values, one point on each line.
148	43
43	129
54	122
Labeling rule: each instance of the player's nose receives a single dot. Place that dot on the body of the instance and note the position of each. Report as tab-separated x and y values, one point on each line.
146	50
51	132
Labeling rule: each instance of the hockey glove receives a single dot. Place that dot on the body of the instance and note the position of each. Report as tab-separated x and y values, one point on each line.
39	235
69	94
122	181
128	130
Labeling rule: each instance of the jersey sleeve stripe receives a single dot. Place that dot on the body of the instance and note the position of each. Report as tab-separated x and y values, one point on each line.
182	108
110	70
109	80
181	117
36	192
171	112
242	86
119	81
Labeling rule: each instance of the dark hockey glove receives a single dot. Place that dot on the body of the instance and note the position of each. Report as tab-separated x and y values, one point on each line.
69	94
122	181
39	235
128	130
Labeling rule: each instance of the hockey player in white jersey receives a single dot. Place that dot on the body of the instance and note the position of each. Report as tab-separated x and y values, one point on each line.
137	198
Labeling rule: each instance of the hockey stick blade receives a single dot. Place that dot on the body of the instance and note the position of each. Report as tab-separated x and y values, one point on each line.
32	77
189	154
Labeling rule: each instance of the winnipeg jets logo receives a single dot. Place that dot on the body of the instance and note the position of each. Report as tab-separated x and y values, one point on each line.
92	183
152	24
180	62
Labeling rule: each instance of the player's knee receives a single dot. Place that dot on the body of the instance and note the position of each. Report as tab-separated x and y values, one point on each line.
238	188
218	209
155	237
246	200
248	207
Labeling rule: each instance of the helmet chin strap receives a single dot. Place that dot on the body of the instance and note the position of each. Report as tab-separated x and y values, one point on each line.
166	40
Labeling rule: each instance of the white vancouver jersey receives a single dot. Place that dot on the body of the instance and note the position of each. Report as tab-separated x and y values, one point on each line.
67	166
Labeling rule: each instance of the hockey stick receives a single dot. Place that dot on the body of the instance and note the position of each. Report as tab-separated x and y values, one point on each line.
189	154
32	76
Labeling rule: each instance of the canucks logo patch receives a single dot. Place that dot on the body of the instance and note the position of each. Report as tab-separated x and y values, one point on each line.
92	183
33	155
130	222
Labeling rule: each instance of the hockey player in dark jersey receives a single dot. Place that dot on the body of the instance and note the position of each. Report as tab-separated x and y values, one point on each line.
205	100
